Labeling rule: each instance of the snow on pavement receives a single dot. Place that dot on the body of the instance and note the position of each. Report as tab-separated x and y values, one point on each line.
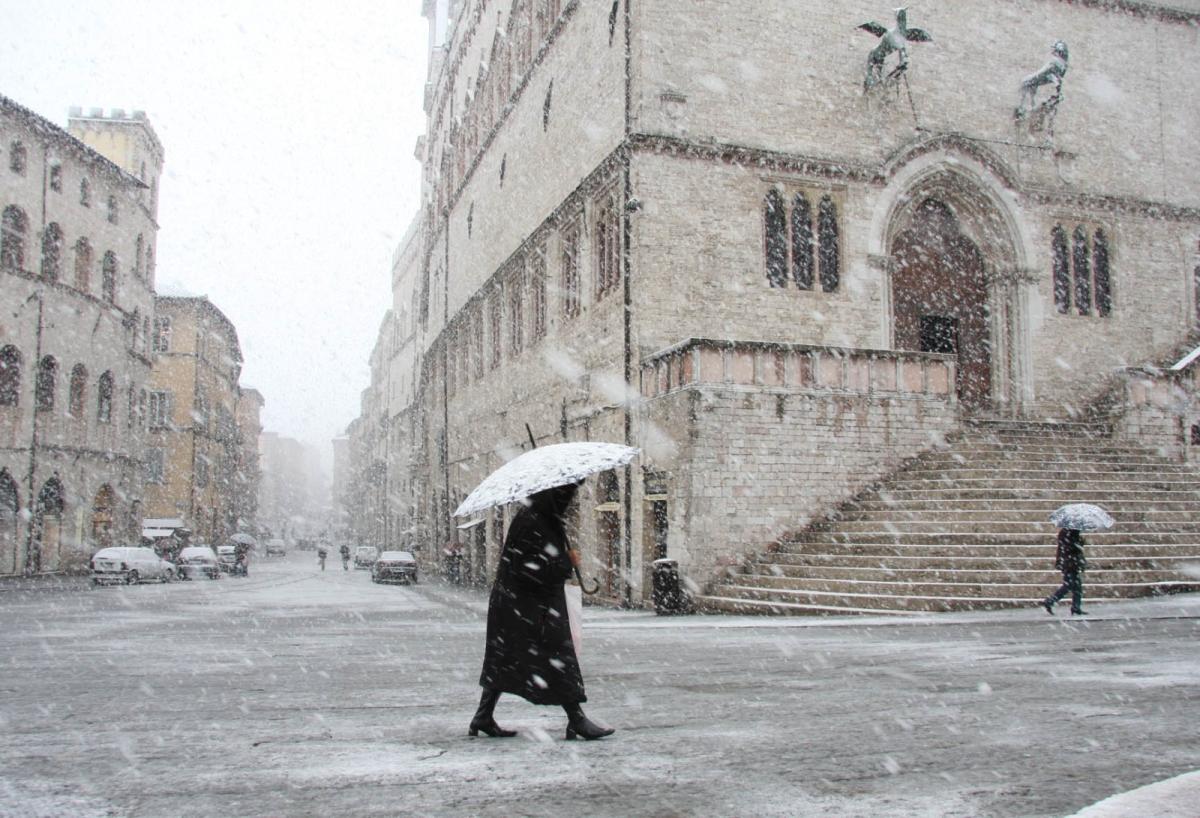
295	692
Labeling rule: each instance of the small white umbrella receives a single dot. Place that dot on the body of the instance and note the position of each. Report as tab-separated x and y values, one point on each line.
1082	517
242	538
544	468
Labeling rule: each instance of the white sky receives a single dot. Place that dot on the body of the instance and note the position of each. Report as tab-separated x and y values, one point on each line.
289	131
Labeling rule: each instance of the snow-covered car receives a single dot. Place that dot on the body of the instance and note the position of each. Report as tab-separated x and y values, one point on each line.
395	566
198	562
276	548
365	556
129	564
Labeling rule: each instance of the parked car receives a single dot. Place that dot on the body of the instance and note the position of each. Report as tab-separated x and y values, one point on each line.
227	557
198	562
395	566
365	556
129	564
276	548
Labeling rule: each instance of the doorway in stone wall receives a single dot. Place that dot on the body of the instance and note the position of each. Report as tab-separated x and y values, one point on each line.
940	299
102	518
48	526
10	508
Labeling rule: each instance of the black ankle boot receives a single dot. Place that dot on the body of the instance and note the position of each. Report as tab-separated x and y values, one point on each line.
580	726
484	722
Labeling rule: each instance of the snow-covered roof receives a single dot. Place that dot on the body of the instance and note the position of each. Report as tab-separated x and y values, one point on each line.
163	522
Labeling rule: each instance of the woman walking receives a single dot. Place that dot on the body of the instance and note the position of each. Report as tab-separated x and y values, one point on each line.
1070	560
529	651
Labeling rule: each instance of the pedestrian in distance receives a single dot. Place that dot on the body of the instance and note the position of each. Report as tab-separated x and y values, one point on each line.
322	553
345	552
1070	560
529	651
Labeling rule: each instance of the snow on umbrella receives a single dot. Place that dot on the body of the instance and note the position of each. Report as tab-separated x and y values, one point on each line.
1082	517
242	538
544	468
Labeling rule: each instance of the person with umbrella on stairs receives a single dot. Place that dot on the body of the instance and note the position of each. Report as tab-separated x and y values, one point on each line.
1071	520
1070	560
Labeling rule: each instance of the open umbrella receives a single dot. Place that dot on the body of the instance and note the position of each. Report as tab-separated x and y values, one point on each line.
1082	517
544	468
242	538
547	468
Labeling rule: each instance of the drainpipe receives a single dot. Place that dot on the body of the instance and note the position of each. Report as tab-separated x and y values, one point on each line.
627	269
33	560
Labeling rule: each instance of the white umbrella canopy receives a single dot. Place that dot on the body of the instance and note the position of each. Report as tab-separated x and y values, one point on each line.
1082	517
242	538
544	468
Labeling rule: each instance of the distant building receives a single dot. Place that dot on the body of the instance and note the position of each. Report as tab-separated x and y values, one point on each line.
293	496
248	472
78	233
194	449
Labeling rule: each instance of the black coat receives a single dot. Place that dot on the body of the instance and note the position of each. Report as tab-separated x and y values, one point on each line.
1069	557
529	650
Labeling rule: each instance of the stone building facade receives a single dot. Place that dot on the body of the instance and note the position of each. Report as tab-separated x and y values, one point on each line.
76	306
195	451
248	471
690	227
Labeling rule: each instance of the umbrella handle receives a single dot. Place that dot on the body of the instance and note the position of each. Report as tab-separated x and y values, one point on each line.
583	585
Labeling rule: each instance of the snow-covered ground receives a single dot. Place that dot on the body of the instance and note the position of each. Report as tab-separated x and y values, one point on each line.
300	693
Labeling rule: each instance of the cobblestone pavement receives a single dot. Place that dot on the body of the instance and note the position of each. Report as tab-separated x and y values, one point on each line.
301	693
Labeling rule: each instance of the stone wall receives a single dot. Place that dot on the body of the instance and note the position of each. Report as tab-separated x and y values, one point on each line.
759	439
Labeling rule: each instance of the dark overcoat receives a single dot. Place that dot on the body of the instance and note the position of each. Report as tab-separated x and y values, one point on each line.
1069	556
529	650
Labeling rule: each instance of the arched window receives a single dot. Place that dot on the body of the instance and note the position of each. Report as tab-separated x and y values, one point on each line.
83	265
1103	283
104	398
52	247
150	265
45	384
145	335
13	225
162	335
85	193
775	238
1081	262
113	210
829	251
802	242
108	277
1062	269
10	376
139	256
78	391
17	158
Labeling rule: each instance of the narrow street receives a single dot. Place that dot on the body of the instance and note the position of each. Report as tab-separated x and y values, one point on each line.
301	693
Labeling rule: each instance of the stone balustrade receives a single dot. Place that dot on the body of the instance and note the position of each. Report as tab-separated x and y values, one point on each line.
700	361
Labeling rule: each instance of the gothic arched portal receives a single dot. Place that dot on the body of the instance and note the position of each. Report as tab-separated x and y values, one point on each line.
940	299
957	279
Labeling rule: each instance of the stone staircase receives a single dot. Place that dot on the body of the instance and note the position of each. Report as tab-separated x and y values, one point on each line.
966	527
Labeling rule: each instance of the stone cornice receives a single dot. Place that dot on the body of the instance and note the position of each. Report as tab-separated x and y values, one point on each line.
752	157
1140	9
1125	205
